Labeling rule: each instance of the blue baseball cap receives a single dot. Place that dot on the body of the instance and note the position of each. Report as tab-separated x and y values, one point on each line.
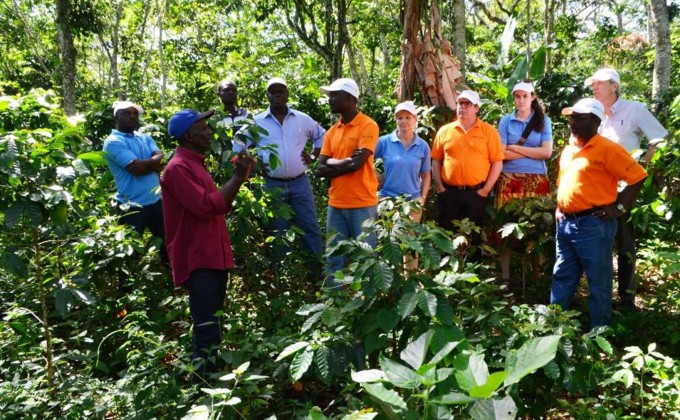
181	121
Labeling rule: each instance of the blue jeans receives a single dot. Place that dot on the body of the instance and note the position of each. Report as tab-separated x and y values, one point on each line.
585	244
298	194
346	224
207	289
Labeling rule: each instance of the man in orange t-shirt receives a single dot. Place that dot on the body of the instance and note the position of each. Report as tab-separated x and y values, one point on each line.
587	207
467	159
347	159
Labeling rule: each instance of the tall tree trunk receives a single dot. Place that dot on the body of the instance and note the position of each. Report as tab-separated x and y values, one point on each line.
114	53
410	43
458	23
67	51
662	47
164	71
549	19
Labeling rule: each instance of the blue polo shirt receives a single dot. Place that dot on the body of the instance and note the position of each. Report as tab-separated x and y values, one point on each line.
403	166
120	149
290	138
511	129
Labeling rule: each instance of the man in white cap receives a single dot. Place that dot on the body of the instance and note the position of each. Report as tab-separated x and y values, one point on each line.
135	161
290	131
467	159
625	122
587	207
347	159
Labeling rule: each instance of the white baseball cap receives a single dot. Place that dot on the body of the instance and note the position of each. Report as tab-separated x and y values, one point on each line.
345	85
276	81
407	106
586	106
604	75
125	105
470	96
524	87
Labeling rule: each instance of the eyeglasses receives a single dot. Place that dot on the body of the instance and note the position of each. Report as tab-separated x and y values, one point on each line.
465	104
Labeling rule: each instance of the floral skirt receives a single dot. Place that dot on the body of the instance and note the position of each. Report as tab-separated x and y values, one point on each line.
511	186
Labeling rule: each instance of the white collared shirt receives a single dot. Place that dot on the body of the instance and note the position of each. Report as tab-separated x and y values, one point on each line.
629	121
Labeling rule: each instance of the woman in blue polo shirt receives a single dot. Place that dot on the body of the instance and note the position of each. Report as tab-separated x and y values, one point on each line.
524	172
406	159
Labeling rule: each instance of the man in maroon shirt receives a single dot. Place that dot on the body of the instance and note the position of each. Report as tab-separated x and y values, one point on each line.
196	234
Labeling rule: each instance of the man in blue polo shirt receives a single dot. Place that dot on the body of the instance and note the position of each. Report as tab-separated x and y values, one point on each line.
290	131
135	161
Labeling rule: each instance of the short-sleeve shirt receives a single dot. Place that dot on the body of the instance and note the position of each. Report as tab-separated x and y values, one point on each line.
241	114
630	120
121	149
588	176
403	166
196	233
359	188
510	129
466	156
290	138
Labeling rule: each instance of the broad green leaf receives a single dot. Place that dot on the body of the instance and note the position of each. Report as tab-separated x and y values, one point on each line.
389	401
95	158
445	312
387	319
471	370
604	345
309	308
353	304
84	296
300	363
398	374
453	398
427	302
62	301
375	340
360	415
391	251
315	414
232	401
533	355
291	350
407	304
414	353
200	412
370	375
322	362
443	242
491	385
624	376
309	322
552	370
444	351
504	409
537	68
242	368
383	275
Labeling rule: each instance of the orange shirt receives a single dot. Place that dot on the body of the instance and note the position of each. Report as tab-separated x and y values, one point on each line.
467	156
588	176
359	188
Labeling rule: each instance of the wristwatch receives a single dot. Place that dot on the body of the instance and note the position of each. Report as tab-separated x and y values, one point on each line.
620	207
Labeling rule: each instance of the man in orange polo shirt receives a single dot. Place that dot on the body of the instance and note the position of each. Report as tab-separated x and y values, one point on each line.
587	207
467	159
347	159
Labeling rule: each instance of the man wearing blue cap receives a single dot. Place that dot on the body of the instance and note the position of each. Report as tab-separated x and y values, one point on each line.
196	232
135	160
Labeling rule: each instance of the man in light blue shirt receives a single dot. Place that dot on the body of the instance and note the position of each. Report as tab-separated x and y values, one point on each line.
135	161
290	131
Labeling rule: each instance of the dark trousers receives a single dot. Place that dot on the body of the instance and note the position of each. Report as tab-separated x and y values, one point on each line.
625	243
142	218
147	217
207	288
455	204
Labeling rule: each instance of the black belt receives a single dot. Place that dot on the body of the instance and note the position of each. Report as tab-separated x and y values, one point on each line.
285	179
588	212
463	187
